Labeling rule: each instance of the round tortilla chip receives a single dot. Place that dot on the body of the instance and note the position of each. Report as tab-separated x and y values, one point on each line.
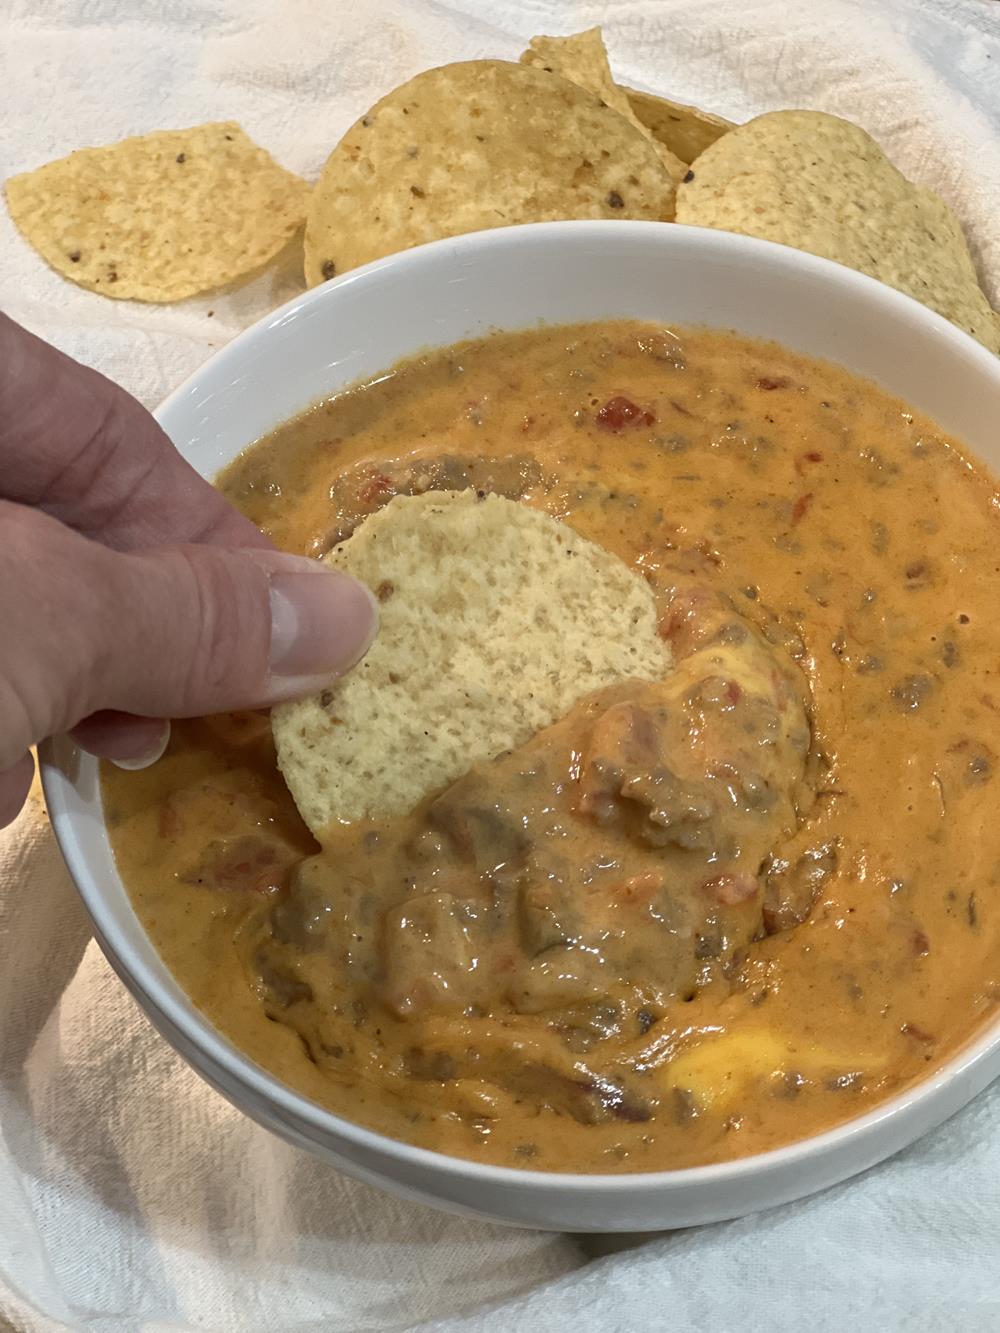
819	183
496	619
583	59
162	216
473	146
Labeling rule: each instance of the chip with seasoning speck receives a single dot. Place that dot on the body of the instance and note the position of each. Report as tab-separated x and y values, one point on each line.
163	216
583	59
819	183
471	146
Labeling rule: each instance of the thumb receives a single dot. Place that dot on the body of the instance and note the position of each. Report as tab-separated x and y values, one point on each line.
171	632
221	628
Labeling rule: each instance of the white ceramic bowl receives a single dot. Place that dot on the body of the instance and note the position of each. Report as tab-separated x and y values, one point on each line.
359	325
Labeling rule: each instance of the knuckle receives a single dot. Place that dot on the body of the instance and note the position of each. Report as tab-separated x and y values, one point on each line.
114	470
229	646
51	649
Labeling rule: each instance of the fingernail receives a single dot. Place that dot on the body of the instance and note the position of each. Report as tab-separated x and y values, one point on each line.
148	757
322	623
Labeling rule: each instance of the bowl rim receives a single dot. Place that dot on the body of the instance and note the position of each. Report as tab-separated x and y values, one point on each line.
180	1013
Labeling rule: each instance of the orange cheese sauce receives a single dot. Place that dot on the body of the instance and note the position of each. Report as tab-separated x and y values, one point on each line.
866	545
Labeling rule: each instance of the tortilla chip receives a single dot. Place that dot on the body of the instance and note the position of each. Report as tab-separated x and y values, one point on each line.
160	217
498	619
583	59
685	130
818	183
473	146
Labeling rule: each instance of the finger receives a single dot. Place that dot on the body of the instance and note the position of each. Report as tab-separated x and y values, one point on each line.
173	632
128	741
85	451
15	783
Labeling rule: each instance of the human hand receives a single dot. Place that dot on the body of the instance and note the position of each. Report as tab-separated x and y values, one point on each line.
130	590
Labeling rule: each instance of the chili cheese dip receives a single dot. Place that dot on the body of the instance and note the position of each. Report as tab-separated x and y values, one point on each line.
697	916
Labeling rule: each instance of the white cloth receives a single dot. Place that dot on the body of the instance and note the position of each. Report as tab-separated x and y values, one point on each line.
131	1196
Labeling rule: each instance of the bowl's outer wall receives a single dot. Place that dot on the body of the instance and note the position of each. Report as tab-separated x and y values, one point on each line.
357	327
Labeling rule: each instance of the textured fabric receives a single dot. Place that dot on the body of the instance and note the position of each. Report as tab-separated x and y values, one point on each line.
131	1196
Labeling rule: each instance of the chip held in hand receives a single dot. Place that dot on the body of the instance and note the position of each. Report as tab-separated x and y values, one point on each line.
496	619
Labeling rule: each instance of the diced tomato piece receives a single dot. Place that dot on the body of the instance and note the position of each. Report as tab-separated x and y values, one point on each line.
731	890
812	456
619	412
801	507
376	488
242	863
